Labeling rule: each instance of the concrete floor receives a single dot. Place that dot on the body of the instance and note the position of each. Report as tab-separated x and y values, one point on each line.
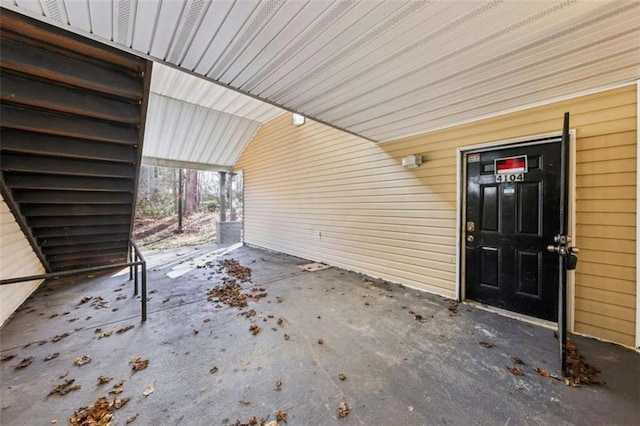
399	371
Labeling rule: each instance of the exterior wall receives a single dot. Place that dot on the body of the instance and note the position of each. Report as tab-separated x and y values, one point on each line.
17	259
376	217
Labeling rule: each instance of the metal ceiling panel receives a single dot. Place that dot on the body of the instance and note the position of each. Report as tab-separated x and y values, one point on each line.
164	26
237	19
189	21
78	13
30	6
100	14
179	132
517	82
312	11
388	26
229	70
144	24
209	27
319	44
177	84
380	69
444	64
56	10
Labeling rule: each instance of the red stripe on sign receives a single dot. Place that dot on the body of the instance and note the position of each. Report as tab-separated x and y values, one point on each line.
510	163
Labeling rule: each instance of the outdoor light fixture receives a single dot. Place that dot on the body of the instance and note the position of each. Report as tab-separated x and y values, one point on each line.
412	161
298	120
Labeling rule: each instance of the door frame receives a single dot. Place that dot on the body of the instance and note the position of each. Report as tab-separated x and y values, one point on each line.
461	186
637	217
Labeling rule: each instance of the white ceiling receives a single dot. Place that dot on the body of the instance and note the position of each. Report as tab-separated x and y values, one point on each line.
176	84
195	123
182	134
380	69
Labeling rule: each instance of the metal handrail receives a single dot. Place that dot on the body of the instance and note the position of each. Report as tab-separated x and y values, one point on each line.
140	260
135	259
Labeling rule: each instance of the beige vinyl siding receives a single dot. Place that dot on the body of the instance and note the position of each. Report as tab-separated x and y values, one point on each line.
382	219
17	259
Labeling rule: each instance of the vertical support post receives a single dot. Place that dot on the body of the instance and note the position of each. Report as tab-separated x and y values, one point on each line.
130	260
232	206
223	196
144	290
180	199
135	277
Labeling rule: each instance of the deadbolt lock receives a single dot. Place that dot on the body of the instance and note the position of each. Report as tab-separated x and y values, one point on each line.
471	226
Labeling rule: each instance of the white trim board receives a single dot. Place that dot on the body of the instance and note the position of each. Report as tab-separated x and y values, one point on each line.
637	216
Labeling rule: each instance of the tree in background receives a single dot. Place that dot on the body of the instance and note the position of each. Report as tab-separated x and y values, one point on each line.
158	191
191	193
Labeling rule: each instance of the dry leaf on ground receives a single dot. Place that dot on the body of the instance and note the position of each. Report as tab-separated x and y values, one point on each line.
119	403
516	371
249	313
281	416
254	329
234	269
545	373
104	379
139	363
7	358
579	371
132	418
342	376
213	370
486	344
100	413
124	329
517	360
85	359
59	337
343	410
24	363
453	308
65	388
149	390
52	356
99	303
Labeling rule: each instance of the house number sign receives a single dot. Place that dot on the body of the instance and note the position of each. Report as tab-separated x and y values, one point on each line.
510	169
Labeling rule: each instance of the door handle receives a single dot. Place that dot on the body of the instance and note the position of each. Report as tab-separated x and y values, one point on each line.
563	248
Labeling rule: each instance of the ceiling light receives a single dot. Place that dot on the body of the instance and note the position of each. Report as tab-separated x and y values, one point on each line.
298	120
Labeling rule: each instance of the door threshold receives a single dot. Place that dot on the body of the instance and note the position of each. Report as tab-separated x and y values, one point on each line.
513	315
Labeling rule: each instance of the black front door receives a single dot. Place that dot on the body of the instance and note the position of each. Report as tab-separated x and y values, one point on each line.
512	215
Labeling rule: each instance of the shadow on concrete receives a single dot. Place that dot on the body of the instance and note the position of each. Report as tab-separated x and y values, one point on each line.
407	359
